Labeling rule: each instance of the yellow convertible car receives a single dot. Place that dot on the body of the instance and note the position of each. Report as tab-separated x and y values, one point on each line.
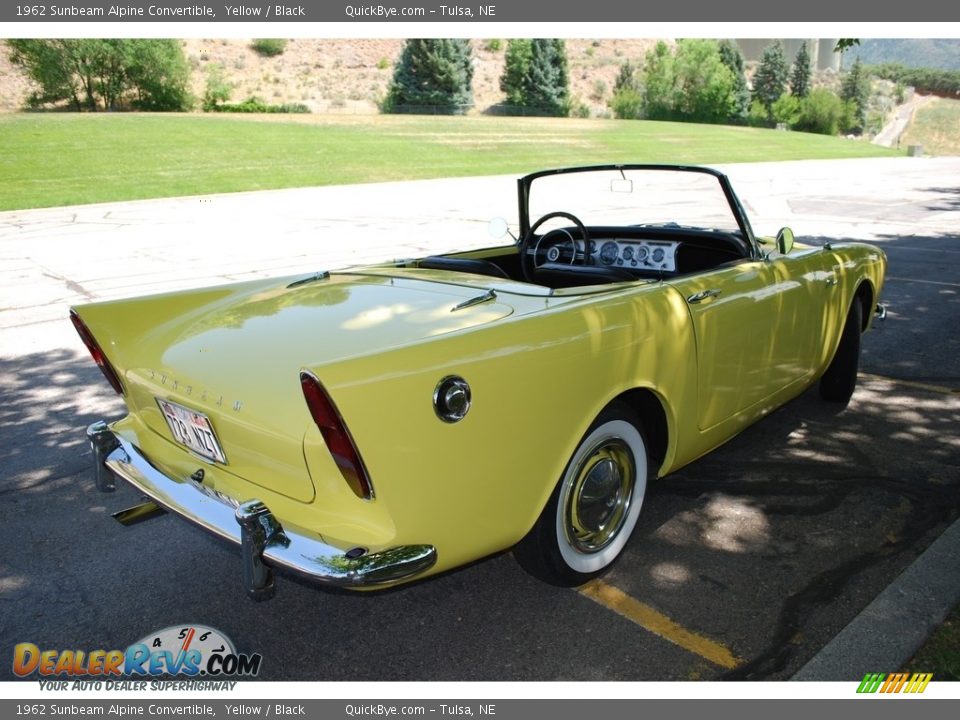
375	425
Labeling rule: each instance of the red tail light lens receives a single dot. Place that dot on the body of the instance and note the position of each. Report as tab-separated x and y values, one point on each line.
336	436
98	357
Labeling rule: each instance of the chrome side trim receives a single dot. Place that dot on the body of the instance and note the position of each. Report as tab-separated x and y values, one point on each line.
478	300
263	541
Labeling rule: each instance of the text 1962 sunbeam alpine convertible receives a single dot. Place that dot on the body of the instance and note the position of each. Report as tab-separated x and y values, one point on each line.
379	424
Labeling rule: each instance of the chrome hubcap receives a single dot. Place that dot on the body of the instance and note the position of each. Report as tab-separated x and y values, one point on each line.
598	501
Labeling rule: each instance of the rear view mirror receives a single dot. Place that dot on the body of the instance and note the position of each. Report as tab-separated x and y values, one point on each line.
785	240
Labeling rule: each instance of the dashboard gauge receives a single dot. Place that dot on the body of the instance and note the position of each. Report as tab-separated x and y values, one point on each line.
628	253
642	253
608	253
658	254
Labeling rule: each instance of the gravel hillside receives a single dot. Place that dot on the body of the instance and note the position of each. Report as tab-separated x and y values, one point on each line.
351	76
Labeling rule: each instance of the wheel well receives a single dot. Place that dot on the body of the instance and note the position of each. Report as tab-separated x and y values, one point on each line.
650	410
865	296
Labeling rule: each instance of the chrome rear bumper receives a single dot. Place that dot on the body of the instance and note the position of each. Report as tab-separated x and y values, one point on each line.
263	541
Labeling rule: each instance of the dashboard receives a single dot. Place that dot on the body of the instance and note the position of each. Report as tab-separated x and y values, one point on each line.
635	254
617	253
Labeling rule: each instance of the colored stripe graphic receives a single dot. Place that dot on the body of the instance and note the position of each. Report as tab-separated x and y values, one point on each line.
918	683
871	682
894	683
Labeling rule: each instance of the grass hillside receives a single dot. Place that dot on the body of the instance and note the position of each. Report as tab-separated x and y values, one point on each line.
351	76
53	159
935	126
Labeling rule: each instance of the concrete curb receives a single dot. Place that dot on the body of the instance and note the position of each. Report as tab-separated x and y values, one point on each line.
895	625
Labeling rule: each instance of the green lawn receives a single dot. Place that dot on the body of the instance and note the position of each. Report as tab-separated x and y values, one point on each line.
64	159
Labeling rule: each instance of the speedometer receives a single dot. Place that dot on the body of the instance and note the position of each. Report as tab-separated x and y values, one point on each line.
608	252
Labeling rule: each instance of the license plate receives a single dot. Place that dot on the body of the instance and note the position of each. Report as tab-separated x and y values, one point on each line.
193	430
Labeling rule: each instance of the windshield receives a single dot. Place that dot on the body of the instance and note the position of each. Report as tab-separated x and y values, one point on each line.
614	196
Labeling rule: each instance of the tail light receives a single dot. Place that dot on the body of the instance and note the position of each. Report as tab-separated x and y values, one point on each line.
98	357
336	436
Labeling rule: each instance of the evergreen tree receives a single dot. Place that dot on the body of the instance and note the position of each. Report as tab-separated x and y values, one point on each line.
515	69
436	75
771	78
800	77
855	89
731	56
546	86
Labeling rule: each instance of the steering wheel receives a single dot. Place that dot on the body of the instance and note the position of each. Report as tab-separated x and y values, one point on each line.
528	261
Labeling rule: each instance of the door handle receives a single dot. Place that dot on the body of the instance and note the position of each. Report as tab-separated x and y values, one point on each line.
702	295
831	281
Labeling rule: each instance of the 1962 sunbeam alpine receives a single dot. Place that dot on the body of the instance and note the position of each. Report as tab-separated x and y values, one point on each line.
374	425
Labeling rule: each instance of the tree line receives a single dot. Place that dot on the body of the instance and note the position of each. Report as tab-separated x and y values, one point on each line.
694	81
114	74
705	81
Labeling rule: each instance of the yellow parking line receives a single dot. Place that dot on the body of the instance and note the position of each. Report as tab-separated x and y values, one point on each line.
912	383
659	624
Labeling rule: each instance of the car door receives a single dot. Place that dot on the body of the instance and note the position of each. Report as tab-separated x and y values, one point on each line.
754	328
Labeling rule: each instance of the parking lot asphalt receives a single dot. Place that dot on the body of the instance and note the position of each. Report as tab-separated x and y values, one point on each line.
746	564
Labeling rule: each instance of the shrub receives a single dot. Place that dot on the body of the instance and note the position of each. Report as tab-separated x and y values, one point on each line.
578	109
217	90
599	90
254	104
757	115
383	63
269	47
627	104
822	112
787	109
492	45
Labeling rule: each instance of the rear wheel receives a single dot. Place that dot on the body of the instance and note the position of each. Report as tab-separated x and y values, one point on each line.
594	507
840	379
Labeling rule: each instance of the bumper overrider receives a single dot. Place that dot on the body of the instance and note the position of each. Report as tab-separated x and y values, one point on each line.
263	542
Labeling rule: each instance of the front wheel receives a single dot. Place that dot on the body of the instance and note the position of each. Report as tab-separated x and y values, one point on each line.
595	506
840	379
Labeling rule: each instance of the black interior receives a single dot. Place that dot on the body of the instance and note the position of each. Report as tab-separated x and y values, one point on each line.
699	250
458	264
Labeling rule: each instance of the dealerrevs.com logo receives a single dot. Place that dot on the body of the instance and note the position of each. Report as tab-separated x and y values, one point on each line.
180	650
895	683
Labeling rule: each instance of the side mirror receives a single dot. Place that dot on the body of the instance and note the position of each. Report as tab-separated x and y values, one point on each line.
785	240
497	228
